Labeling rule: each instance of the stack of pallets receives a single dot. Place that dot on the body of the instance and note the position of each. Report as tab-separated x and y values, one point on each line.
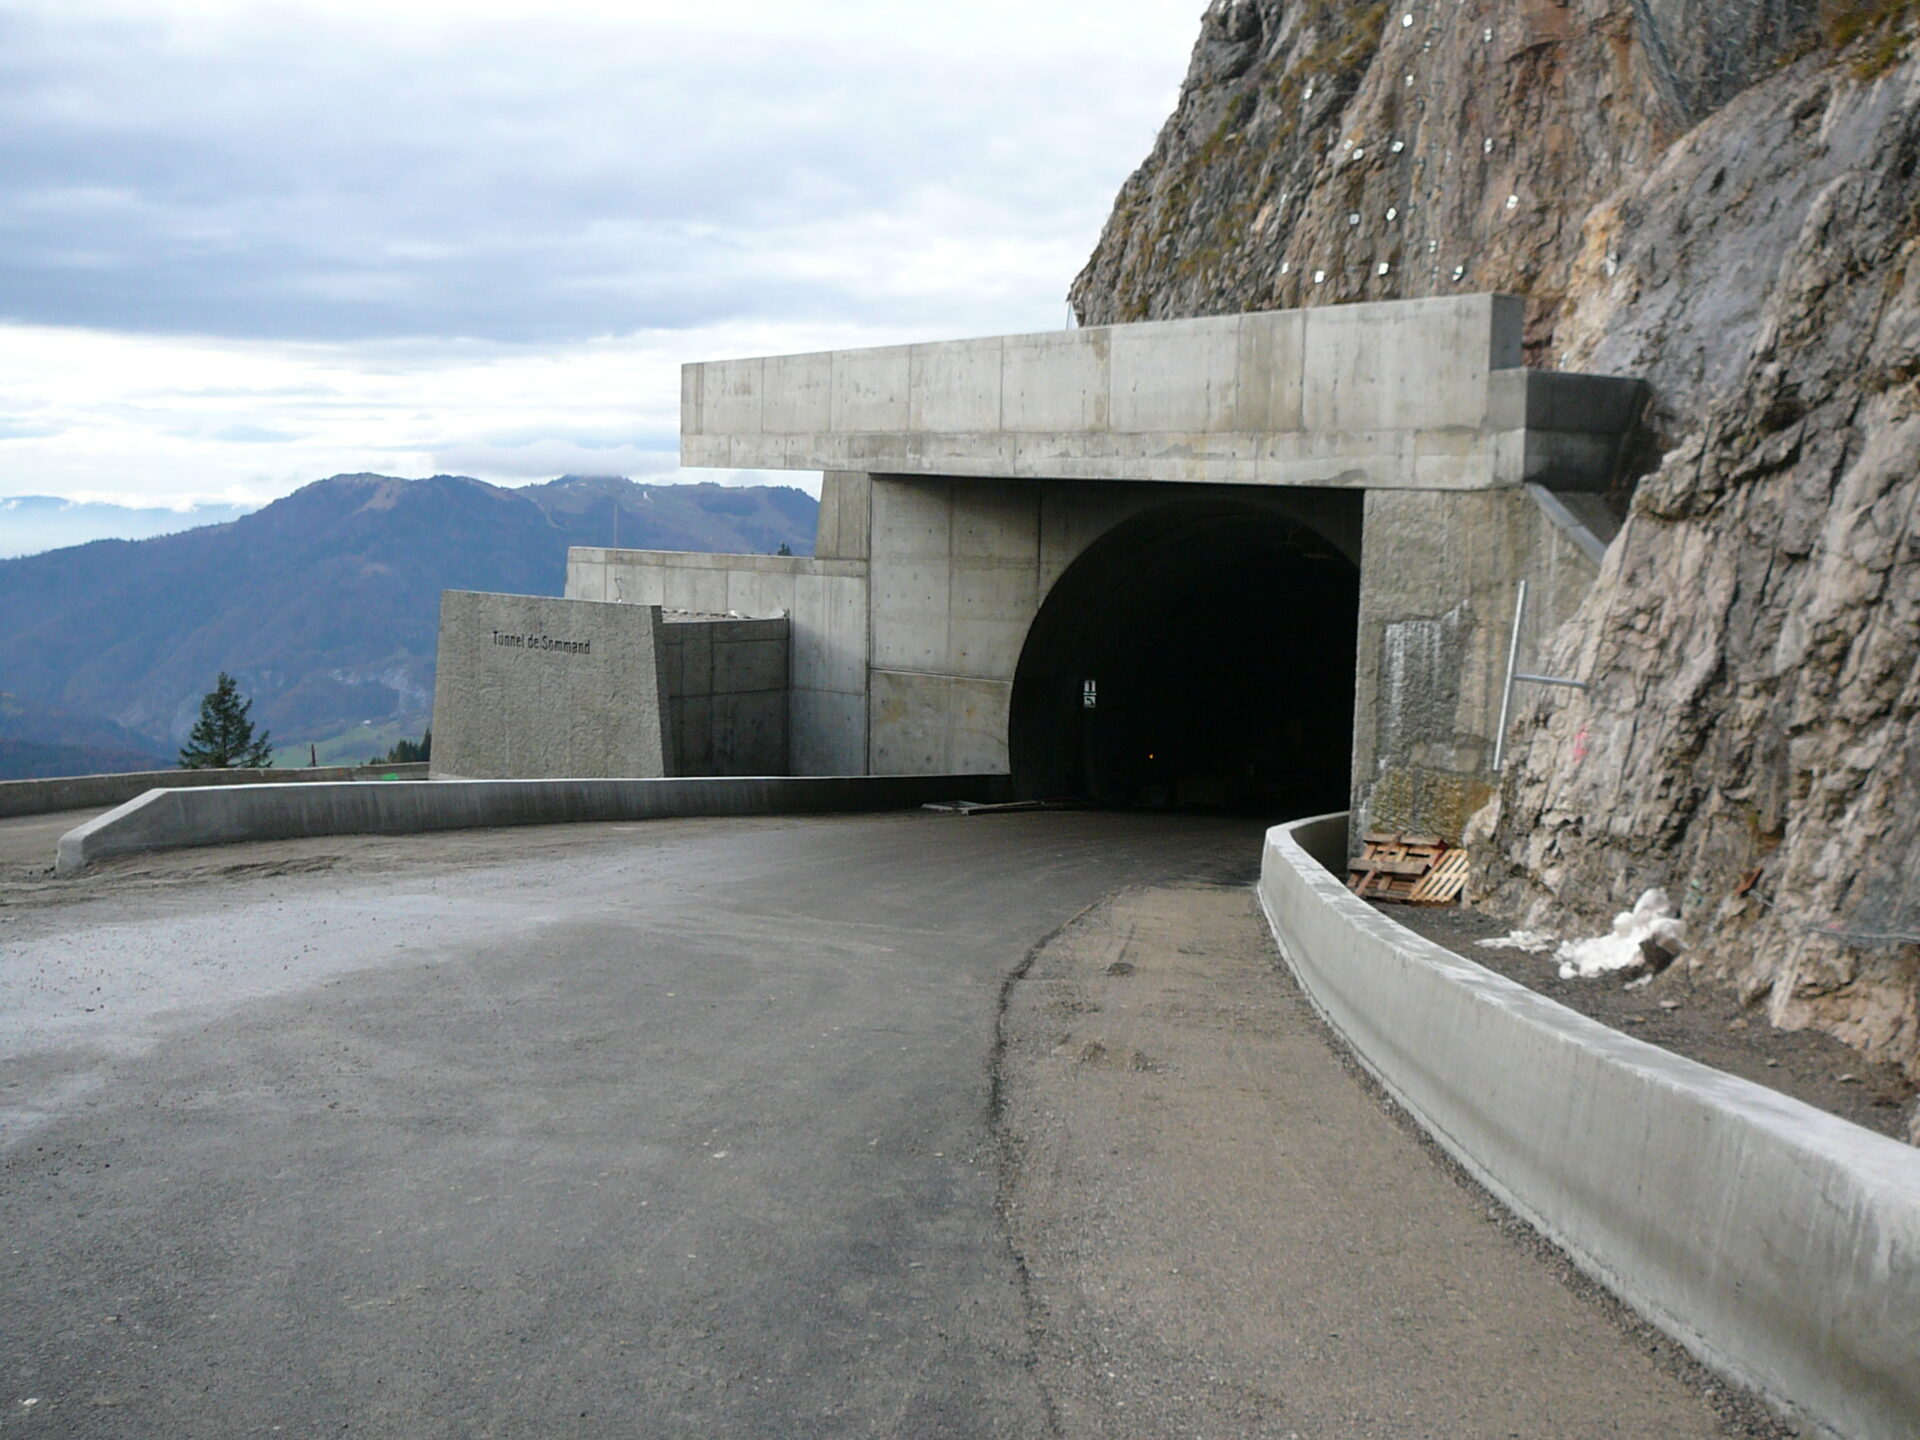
1410	869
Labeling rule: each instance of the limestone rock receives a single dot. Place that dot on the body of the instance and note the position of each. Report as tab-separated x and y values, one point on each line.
1721	197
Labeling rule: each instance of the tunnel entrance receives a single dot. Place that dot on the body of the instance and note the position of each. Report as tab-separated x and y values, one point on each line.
1197	657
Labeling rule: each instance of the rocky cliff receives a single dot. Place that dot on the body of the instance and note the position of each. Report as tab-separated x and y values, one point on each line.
1718	196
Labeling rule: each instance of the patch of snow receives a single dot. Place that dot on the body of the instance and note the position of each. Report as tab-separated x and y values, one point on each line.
1652	918
1533	942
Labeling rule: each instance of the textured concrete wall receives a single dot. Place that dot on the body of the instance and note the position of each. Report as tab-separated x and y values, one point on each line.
957	570
87	792
1416	393
825	600
1436	608
929	452
530	687
1778	1243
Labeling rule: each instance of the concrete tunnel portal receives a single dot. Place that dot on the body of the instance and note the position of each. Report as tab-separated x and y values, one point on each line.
1198	656
1174	511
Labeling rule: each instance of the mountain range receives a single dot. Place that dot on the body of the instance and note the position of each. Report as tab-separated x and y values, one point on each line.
325	604
32	523
38	740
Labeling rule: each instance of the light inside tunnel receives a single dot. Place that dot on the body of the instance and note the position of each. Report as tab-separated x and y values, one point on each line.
1220	640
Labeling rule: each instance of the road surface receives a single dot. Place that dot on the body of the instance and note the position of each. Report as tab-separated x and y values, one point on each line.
689	1128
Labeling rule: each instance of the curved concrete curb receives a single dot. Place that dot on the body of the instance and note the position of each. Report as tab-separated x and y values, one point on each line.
1780	1244
82	792
170	819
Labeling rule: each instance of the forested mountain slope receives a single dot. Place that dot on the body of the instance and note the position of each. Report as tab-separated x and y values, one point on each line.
325	605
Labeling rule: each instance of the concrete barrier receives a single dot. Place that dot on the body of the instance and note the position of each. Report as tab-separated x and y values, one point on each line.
171	819
86	792
1780	1244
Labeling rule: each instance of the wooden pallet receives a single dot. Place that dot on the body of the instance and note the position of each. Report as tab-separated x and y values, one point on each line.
1442	884
1411	869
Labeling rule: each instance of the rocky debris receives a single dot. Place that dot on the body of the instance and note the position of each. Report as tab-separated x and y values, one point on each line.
1719	196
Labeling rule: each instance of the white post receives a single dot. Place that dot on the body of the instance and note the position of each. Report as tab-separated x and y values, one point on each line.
1506	693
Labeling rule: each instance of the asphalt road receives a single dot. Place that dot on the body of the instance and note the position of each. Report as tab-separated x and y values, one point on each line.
27	842
666	1129
689	1128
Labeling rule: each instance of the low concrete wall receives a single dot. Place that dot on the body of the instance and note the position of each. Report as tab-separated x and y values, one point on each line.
1778	1243
172	819
85	792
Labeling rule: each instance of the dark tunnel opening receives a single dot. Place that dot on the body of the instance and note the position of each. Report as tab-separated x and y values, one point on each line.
1198	657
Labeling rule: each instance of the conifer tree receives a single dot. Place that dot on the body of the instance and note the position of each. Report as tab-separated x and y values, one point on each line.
222	738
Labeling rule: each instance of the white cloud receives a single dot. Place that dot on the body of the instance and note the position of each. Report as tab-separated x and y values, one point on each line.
245	244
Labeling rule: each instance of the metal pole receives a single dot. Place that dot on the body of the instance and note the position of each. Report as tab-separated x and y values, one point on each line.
1551	680
1506	694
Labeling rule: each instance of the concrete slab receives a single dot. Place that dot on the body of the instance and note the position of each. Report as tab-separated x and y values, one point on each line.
1272	398
100	792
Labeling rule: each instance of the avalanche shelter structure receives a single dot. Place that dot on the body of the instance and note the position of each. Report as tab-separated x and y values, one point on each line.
1266	559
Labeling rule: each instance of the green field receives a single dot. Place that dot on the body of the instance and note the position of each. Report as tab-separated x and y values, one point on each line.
350	747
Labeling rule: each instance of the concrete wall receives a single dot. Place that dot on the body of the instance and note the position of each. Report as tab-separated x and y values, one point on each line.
725	685
172	819
1437	590
1410	393
825	600
533	688
529	687
91	792
959	571
1780	1244
921	683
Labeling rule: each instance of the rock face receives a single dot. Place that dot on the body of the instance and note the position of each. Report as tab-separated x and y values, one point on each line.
1719	197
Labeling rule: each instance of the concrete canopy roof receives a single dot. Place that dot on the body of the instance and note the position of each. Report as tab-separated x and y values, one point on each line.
1417	394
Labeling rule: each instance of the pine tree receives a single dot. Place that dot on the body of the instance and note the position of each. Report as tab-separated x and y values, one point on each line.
222	738
407	752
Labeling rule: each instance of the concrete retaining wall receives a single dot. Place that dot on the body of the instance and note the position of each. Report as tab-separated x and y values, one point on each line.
1778	1243
87	792
172	819
1436	613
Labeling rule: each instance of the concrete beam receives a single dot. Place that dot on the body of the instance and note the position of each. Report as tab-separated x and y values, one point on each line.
1408	394
175	819
1779	1244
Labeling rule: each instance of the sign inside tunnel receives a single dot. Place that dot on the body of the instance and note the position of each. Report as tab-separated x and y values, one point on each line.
1089	694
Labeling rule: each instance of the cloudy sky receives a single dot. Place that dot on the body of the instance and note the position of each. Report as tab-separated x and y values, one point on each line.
245	245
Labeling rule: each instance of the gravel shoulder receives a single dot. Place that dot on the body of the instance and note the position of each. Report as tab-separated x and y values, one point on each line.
1224	1232
1692	1015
